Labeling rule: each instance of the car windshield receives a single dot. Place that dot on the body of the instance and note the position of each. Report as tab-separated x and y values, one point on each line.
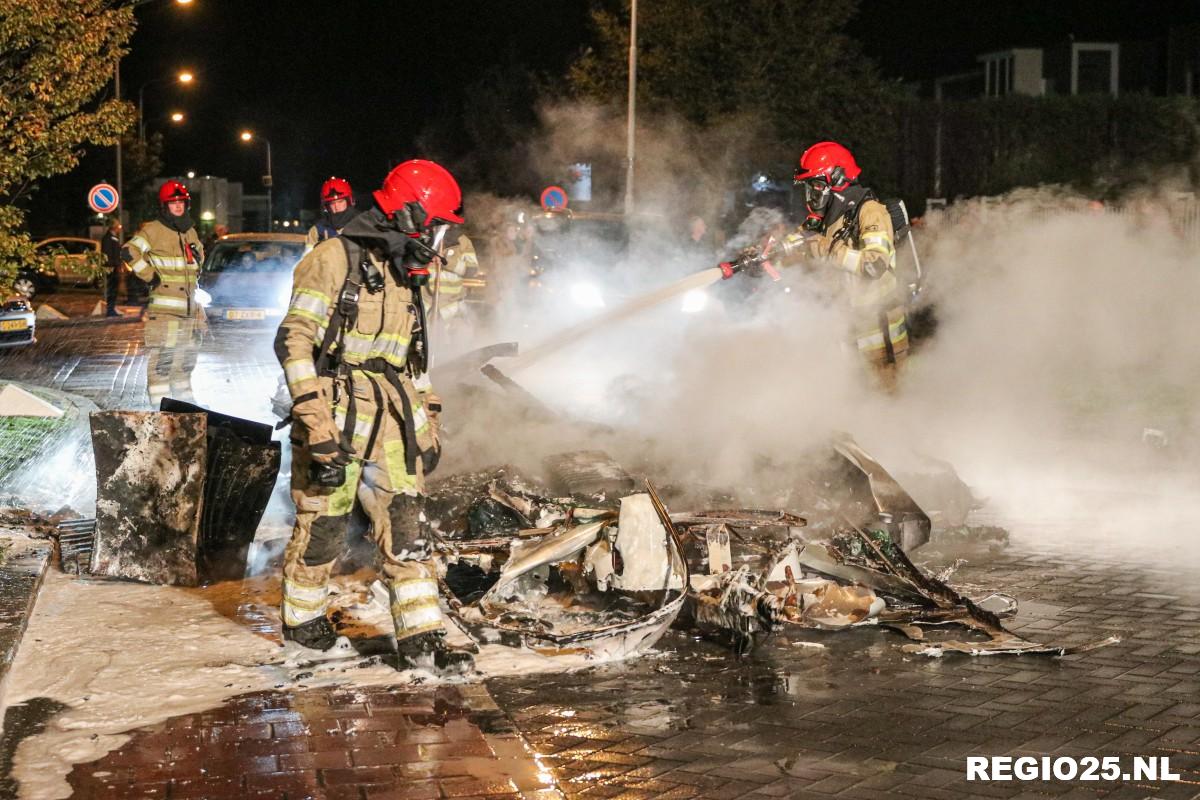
253	257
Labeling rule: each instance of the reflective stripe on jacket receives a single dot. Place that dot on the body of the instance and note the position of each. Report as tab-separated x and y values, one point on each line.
163	252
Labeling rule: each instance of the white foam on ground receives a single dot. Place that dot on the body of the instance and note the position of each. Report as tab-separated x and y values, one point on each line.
122	656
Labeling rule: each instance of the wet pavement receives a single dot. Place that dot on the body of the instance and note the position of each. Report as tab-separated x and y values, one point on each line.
23	562
333	743
810	714
853	717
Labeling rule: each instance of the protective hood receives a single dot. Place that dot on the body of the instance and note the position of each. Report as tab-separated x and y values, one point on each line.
341	218
845	201
374	230
180	224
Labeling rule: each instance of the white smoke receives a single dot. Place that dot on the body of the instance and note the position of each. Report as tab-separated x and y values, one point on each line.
1064	362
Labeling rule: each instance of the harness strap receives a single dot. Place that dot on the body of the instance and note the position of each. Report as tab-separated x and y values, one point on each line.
410	426
347	440
375	425
886	329
345	310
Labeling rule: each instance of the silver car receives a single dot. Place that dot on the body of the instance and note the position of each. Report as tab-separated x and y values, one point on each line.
17	323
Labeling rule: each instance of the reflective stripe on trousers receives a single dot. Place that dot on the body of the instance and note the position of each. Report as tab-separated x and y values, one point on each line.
415	606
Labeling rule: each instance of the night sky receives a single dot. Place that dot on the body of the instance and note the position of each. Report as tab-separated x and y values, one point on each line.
343	86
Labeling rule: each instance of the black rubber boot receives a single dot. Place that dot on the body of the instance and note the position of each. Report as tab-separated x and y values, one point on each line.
317	634
429	651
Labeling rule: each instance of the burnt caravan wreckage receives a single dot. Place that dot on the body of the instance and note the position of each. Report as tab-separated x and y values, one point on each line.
596	564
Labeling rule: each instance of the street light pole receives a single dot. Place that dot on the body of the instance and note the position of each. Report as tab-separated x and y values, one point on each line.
184	77
120	160
142	112
632	112
270	182
268	179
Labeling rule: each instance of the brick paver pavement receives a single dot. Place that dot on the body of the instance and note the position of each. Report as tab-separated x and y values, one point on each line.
383	744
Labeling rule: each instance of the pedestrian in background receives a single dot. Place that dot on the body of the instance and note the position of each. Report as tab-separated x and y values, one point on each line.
110	248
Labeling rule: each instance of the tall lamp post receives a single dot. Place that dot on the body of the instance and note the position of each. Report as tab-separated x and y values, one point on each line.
185	77
632	113
117	94
268	180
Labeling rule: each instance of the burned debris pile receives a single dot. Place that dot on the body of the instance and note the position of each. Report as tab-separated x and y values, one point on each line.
601	567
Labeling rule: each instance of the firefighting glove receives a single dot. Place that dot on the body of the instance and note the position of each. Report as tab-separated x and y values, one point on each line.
328	465
874	268
749	260
417	256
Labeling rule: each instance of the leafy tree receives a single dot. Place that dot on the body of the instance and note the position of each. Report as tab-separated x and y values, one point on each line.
486	135
143	163
787	62
55	57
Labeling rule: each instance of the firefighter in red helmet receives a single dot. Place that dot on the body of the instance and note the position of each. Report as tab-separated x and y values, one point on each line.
166	253
848	227
365	418
337	208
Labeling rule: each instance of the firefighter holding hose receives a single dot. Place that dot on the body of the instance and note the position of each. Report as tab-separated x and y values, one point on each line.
354	351
848	227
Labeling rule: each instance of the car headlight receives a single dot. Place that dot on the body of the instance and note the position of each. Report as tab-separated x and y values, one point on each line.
202	298
587	295
694	301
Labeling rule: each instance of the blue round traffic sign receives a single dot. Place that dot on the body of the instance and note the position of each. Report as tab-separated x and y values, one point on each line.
103	198
554	197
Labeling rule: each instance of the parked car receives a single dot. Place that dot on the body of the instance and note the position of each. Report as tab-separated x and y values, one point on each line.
17	322
76	261
32	280
247	277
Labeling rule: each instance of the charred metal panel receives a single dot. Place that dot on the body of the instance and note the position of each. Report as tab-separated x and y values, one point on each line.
149	494
588	473
241	468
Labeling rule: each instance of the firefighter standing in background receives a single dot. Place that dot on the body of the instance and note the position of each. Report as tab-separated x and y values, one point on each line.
166	253
337	208
446	292
354	353
851	229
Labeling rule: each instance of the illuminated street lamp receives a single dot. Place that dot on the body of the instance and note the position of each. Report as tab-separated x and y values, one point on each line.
248	136
117	94
184	77
177	117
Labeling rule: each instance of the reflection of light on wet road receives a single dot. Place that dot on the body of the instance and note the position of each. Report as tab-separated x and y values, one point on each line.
237	372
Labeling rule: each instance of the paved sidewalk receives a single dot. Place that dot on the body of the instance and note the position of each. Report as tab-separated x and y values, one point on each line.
23	562
377	743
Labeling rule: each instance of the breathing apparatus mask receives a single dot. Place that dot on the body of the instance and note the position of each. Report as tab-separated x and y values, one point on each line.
422	243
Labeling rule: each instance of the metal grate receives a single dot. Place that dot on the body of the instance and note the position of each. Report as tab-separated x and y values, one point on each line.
76	539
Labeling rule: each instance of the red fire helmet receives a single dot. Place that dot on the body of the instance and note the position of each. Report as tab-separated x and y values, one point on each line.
830	160
336	189
428	184
173	190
